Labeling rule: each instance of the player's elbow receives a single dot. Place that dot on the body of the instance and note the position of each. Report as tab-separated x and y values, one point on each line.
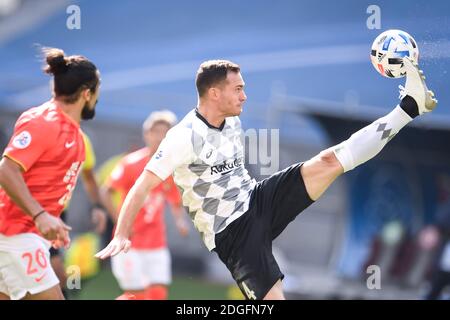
147	181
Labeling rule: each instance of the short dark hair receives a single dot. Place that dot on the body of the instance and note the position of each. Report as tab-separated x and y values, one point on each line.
72	74
213	72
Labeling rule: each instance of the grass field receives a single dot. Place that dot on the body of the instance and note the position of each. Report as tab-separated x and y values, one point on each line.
105	287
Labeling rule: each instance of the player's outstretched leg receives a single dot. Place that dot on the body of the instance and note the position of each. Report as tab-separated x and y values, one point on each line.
320	171
416	88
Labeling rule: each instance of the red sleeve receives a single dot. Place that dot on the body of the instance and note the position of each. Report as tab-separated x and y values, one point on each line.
32	137
118	180
172	193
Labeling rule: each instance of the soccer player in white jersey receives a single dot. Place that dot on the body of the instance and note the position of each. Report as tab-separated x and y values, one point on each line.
237	217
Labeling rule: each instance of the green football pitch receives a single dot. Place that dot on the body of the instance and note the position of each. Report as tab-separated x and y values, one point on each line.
105	287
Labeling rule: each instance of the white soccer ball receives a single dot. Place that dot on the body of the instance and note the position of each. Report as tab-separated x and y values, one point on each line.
388	51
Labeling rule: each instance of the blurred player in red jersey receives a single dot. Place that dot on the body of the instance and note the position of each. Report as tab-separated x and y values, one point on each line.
38	173
145	271
99	217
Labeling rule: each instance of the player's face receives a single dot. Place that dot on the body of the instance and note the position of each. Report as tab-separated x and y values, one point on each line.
232	94
88	111
156	134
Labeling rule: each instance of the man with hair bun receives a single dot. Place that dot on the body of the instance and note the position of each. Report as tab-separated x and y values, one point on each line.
38	172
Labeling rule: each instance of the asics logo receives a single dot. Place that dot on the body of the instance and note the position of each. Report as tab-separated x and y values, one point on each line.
70	144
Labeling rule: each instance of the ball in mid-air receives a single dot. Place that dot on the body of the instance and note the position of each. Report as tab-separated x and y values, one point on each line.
388	51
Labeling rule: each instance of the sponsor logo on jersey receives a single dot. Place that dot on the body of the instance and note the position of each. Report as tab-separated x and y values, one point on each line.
227	166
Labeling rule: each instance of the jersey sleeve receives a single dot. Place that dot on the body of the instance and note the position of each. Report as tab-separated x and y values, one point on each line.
89	162
32	137
175	149
117	180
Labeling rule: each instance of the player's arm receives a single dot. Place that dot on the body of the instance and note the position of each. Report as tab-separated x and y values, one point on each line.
131	206
91	186
87	172
99	216
180	222
30	140
11	180
116	182
107	194
173	197
175	149
134	201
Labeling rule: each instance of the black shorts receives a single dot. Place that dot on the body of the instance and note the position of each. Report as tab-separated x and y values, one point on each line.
245	246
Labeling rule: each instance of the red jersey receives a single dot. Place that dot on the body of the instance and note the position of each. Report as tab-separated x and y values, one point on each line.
49	147
149	231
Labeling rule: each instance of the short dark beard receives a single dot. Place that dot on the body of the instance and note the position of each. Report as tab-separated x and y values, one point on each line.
87	113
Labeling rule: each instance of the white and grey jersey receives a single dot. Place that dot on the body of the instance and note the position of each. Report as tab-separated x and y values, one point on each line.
208	166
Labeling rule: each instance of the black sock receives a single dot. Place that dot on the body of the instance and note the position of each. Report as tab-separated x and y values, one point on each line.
409	105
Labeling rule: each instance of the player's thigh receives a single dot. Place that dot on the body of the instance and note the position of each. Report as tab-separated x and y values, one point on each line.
245	247
256	273
159	263
3	287
25	266
53	293
320	172
280	198
57	262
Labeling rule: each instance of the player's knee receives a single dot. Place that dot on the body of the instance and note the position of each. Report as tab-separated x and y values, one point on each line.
328	161
319	173
3	296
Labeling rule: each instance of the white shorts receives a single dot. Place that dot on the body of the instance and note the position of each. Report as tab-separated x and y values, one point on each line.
25	265
138	269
